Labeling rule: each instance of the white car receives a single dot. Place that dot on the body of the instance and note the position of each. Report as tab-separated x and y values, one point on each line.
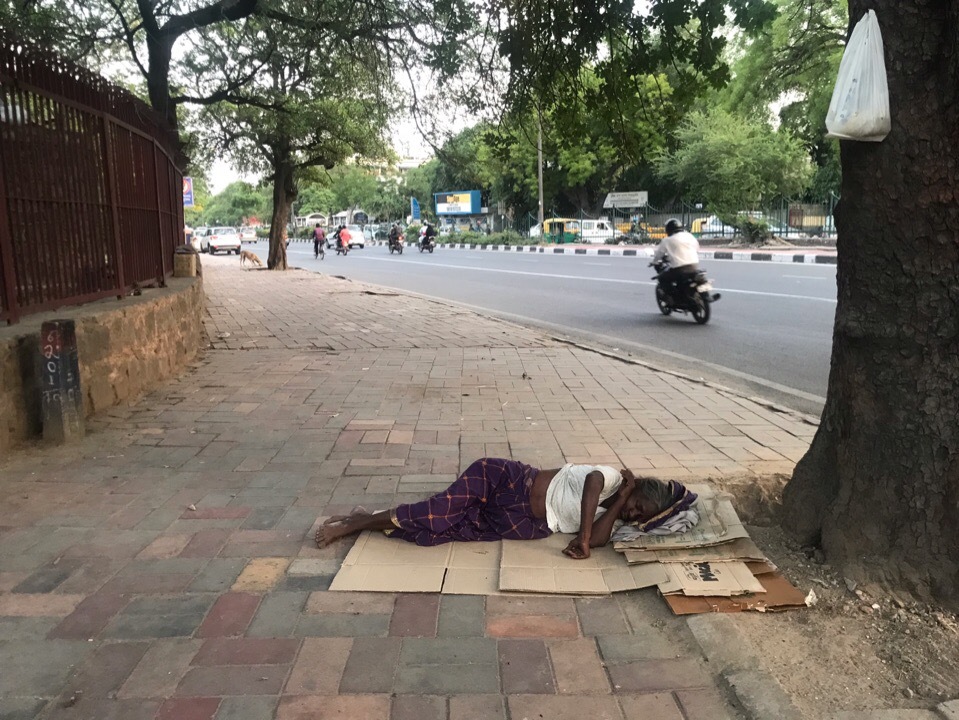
221	239
247	234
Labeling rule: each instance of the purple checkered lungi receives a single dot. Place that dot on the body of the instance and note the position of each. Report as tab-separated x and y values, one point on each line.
489	501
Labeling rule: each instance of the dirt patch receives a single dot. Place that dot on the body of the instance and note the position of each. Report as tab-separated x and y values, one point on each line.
858	647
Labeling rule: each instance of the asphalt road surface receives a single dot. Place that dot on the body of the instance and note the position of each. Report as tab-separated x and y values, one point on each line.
770	335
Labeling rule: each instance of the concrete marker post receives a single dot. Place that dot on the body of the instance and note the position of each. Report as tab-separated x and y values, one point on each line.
61	401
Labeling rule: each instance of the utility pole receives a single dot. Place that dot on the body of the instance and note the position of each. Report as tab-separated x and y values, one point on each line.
539	154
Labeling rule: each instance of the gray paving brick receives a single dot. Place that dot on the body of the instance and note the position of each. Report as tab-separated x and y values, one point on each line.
339	625
446	680
264	518
278	614
39	668
183	604
650	644
310	583
371	665
462	616
448	651
49	578
21	708
249	707
26	628
218	575
137	626
601	616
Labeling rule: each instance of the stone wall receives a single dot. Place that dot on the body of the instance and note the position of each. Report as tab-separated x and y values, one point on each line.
126	348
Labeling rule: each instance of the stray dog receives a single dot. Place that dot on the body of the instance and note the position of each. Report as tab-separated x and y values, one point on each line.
247	255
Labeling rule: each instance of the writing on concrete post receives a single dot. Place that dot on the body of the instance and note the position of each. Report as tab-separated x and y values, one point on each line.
61	401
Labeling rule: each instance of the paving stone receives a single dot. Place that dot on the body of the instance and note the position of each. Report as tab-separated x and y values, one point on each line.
219	513
139	626
247	651
218	575
342	625
21	708
446	680
313	566
564	707
323	707
103	672
230	615
477	707
306	583
525	667
165	546
655	706
233	680
261	574
200	708
264	518
90	616
601	616
252	707
26	628
418	707
655	675
651	644
360	603
49	578
206	543
462	616
38	605
161	669
104	709
148	584
185	604
532	626
577	667
370	666
278	614
319	666
452	651
703	704
39	668
415	615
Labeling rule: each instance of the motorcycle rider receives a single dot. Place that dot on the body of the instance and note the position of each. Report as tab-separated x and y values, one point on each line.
428	234
394	236
681	250
344	238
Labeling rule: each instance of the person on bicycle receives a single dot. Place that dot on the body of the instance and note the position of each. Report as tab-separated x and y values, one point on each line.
319	240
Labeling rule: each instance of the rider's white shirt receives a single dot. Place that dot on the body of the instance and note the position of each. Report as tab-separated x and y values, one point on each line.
681	248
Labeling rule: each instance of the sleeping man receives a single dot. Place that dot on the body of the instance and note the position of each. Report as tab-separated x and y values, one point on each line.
496	499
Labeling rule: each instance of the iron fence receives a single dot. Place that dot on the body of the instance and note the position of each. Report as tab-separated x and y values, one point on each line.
90	186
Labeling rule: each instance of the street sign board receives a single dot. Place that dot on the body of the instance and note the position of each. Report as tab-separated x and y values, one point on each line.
187	192
626	200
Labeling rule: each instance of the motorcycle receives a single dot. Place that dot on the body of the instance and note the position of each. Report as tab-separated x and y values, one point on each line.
427	243
396	245
692	294
341	248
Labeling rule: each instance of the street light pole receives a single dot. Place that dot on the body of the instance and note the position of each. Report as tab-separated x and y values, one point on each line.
539	154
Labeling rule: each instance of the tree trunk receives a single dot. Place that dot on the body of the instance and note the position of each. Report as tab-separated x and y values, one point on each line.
159	54
284	193
879	486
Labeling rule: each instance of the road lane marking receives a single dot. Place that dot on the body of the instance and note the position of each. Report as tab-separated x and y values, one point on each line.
806	277
558	276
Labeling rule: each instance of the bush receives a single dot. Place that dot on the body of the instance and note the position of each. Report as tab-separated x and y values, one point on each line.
263	232
753	230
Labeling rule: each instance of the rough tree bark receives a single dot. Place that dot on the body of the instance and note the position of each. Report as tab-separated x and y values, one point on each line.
879	486
284	194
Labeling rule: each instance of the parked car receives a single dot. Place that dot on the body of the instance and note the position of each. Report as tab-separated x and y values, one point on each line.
221	239
247	234
197	236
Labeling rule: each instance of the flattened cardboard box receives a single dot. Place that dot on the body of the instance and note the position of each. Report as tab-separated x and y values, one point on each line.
377	563
743	549
718	523
539	566
780	595
710	579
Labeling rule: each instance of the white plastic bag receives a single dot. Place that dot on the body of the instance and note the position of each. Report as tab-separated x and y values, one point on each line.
859	109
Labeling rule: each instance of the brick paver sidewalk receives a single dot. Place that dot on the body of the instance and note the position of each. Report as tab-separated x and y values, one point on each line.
163	567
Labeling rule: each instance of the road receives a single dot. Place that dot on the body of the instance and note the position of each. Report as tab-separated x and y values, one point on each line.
770	334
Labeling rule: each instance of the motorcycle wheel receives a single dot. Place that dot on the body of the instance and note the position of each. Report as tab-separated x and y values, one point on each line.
421	248
701	309
431	249
391	249
400	250
662	301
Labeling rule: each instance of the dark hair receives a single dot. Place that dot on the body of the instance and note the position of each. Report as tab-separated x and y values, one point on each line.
658	492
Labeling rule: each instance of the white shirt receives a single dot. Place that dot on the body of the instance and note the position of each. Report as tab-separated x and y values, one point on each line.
564	496
680	248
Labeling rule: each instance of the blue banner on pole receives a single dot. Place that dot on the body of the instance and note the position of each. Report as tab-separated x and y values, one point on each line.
187	192
414	208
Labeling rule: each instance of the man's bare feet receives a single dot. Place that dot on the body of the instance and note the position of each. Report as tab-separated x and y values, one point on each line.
337	526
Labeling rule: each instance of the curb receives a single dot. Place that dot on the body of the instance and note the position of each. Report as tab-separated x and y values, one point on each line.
811	258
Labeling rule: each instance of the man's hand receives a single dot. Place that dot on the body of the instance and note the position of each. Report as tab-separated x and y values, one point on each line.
578	548
628	484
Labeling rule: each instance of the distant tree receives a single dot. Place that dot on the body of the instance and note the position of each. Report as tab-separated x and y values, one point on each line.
733	163
236	203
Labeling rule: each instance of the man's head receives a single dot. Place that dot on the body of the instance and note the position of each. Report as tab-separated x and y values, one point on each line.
317	224
673	226
649	498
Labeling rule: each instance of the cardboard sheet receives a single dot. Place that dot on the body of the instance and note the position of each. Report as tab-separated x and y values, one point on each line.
539	566
780	595
377	563
709	579
743	549
718	523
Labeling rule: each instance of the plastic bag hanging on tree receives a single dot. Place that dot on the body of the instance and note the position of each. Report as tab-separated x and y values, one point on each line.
859	109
